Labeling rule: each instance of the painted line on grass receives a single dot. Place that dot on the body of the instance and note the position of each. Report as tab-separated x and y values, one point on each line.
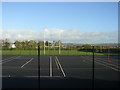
60	67
26	63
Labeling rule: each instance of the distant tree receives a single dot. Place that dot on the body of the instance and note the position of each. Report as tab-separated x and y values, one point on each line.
73	47
86	46
6	43
23	44
41	43
3	42
58	43
18	44
32	44
50	44
54	43
47	43
78	47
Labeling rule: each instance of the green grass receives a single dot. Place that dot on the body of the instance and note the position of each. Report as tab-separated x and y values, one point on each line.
49	52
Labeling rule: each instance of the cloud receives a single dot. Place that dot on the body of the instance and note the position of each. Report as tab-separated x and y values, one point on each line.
66	36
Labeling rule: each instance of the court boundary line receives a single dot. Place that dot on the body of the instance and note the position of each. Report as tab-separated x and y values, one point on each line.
10	76
98	59
60	67
102	63
57	65
27	62
9	60
107	63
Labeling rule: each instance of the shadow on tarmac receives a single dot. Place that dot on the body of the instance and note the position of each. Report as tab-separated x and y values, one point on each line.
54	82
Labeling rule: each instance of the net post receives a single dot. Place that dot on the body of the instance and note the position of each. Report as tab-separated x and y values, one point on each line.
39	67
93	69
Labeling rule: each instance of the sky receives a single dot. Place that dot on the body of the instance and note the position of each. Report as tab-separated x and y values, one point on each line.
78	22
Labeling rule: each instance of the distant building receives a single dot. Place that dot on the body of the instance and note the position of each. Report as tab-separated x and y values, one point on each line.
12	45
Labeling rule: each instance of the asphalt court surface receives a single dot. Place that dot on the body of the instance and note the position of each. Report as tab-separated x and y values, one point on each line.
59	71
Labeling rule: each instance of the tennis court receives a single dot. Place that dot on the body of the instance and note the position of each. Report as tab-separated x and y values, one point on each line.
60	71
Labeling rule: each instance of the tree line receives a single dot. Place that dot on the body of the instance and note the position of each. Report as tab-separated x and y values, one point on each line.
33	44
29	44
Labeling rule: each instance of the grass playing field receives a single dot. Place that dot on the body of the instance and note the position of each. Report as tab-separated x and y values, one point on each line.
50	52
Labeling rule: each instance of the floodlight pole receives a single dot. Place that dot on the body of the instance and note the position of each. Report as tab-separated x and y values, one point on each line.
39	67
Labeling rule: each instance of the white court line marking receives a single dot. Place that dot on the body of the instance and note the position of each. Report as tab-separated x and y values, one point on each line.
108	66
108	63
10	60
50	67
30	76
104	65
84	61
7	59
57	64
26	63
60	67
42	76
99	59
9	75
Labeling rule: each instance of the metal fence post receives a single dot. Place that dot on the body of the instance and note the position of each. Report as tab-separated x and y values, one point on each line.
93	70
38	67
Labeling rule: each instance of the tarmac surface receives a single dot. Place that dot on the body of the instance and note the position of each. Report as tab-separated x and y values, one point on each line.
60	71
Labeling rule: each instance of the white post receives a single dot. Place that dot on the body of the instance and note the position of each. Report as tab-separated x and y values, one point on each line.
59	42
59	47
